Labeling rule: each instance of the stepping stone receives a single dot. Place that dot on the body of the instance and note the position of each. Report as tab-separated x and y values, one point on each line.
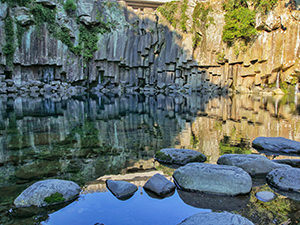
217	179
265	196
179	156
121	189
159	185
48	192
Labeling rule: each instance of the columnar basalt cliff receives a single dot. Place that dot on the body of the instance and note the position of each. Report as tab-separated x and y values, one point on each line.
49	46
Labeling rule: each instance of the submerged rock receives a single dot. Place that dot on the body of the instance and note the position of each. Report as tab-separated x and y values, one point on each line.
255	165
179	156
291	162
121	189
159	185
265	196
47	192
277	145
214	218
219	179
285	179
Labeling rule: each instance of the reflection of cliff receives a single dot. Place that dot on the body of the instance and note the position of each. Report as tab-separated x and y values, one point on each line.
240	117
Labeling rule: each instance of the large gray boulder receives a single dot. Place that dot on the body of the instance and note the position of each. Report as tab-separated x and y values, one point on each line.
179	156
47	192
121	189
214	218
255	165
159	185
219	179
285	179
276	145
291	162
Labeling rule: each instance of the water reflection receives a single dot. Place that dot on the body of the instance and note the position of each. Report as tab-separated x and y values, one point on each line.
86	138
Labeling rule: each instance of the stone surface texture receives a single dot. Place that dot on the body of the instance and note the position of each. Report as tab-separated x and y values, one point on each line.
277	145
213	218
35	194
159	185
255	165
121	189
265	196
218	179
179	156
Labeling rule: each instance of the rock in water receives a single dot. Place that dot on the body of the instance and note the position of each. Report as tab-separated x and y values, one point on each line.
159	185
219	179
265	196
285	179
291	162
255	165
214	218
121	189
47	192
179	156
277	145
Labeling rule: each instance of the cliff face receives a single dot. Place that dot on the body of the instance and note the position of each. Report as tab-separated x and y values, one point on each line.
108	47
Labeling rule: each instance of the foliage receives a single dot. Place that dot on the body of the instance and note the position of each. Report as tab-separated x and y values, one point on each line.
160	156
264	5
9	47
20	31
221	57
239	24
54	198
43	15
169	11
183	16
70	6
13	3
227	147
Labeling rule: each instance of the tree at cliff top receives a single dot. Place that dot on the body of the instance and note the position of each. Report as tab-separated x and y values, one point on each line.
240	20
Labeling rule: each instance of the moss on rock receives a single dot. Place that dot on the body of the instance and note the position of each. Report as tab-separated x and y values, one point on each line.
54	198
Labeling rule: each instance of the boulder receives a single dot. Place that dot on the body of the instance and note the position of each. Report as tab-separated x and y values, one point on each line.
214	218
179	156
217	179
285	179
277	145
121	189
47	192
265	196
291	162
255	165
159	185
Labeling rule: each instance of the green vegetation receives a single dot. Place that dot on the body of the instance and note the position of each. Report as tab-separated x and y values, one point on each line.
70	6
239	22
54	198
9	47
169	11
160	156
183	16
240	19
20	31
226	147
201	21
221	57
12	3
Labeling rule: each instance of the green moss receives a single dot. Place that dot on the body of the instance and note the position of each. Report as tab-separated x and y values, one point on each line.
12	3
9	47
226	147
198	158
183	16
264	5
54	198
70	6
160	156
20	32
169	11
44	15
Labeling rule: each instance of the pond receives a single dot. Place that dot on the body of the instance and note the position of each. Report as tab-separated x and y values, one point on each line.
89	139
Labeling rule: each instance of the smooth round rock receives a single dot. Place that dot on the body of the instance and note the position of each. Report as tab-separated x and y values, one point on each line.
265	196
121	189
179	156
214	218
285	179
218	179
276	145
291	162
35	194
255	165
159	185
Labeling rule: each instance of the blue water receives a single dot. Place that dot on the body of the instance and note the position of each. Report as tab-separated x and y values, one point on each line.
103	207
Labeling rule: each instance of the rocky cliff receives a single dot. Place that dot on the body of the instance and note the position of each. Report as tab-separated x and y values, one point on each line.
52	46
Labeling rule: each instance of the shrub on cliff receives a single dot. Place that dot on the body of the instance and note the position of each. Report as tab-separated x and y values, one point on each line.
239	21
70	6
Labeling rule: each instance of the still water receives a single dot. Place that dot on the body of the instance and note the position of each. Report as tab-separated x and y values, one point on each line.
90	139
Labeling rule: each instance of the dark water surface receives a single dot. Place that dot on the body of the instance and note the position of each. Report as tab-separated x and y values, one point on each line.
88	140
